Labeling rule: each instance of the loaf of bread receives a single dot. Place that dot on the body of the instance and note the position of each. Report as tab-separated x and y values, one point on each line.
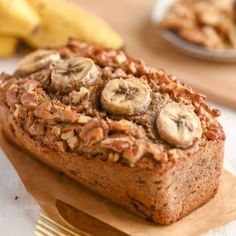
131	133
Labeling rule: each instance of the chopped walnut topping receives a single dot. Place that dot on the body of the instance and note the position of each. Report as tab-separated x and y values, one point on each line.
113	156
214	131
30	85
84	119
173	86
56	130
76	121
118	144
121	58
43	111
127	127
66	114
67	135
73	142
131	150
132	67
134	154
70	138
119	73
37	129
29	100
121	125
12	95
76	97
94	131
156	151
20	112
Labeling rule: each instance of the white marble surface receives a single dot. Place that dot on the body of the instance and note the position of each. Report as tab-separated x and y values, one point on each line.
17	217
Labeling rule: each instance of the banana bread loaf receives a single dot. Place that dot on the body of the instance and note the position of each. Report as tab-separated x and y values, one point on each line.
129	132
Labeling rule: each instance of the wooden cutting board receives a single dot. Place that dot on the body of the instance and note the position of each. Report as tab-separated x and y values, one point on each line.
131	18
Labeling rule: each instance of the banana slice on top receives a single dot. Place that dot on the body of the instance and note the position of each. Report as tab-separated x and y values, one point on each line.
179	125
73	73
126	96
37	60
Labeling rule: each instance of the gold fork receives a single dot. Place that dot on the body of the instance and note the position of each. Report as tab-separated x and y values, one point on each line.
47	227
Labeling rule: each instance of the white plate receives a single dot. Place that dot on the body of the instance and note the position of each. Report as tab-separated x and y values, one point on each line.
159	11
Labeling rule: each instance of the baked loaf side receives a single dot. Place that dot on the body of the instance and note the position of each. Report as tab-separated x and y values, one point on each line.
131	133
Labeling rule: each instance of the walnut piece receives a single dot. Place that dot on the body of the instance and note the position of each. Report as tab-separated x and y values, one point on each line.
118	144
43	110
94	131
131	150
12	95
37	129
56	130
66	114
29	99
121	58
70	138
134	154
67	135
156	151
30	85
76	97
113	156
20	112
125	126
84	119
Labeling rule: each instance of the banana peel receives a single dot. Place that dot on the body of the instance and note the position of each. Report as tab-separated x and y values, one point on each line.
61	20
8	46
17	18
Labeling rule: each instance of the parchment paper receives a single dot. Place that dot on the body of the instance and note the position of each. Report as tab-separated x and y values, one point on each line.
96	215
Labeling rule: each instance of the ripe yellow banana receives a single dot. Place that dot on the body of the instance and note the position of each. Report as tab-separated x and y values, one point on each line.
8	46
61	20
18	18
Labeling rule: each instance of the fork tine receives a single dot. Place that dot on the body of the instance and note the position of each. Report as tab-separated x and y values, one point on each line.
37	233
44	229
48	227
73	232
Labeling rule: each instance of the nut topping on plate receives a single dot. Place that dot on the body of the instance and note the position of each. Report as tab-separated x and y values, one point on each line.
73	73
179	125
126	97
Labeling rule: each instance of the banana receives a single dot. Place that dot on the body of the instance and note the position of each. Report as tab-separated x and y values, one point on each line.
8	46
178	125
126	97
37	60
71	74
18	18
62	20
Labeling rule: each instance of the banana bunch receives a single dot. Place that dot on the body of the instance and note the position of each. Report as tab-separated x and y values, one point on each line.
8	45
43	23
